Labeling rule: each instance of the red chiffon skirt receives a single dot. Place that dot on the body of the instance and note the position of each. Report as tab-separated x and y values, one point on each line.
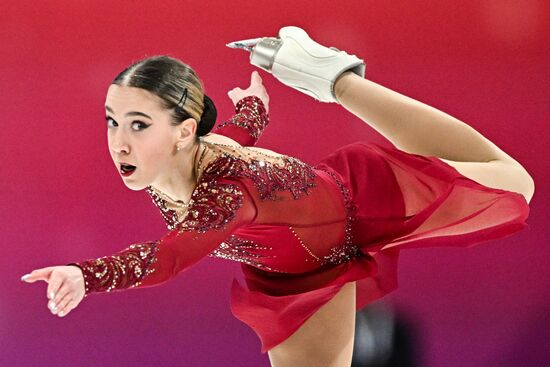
402	200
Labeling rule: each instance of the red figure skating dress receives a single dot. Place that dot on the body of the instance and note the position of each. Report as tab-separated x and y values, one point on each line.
301	232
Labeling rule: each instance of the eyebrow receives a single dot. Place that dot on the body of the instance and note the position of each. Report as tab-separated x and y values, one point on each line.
131	113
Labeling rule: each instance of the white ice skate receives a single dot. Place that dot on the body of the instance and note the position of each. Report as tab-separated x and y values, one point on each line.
301	63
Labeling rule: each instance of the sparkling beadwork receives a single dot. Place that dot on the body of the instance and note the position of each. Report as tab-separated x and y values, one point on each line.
250	115
341	254
213	205
348	250
237	249
124	270
169	216
303	245
290	174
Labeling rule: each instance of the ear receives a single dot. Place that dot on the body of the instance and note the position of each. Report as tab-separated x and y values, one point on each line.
186	131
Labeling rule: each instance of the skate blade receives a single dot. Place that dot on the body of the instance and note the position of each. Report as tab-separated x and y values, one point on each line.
247	45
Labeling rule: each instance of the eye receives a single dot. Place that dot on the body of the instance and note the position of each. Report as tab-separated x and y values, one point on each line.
140	125
110	119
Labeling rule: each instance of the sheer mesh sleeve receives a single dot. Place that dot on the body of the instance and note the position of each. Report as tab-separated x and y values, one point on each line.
248	123
219	207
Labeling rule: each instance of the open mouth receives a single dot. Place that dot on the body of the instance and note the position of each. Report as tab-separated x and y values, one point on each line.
127	169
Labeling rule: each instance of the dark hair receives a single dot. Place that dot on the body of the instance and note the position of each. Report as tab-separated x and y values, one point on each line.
169	78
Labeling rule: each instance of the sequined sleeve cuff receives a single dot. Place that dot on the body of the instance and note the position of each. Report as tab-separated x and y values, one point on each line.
251	115
123	270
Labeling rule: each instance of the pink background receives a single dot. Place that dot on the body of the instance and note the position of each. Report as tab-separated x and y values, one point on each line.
484	62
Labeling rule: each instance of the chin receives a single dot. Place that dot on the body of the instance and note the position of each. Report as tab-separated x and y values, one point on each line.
135	186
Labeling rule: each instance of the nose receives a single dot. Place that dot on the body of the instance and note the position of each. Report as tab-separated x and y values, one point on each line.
118	143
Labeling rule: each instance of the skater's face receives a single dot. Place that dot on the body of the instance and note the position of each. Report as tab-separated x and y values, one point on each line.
140	133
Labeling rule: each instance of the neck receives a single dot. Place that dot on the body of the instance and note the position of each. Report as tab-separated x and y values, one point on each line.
180	180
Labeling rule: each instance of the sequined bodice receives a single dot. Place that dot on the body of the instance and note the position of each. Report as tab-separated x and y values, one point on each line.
270	173
298	207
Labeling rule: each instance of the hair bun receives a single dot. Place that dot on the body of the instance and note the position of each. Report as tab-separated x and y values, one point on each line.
208	118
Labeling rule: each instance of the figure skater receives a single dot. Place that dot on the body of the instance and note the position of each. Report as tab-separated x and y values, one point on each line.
315	243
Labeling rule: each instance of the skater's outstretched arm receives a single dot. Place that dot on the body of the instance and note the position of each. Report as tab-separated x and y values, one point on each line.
251	113
219	208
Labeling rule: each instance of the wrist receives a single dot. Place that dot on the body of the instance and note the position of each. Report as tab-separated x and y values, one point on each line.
253	106
251	101
87	289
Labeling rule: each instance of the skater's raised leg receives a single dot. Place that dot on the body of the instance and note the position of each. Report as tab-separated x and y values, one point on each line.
417	128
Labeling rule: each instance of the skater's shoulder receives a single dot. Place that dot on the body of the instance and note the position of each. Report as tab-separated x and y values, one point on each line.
219	139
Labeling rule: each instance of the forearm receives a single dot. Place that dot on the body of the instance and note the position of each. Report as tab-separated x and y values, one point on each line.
126	269
248	123
413	126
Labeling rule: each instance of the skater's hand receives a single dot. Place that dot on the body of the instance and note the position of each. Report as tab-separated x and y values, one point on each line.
256	89
66	283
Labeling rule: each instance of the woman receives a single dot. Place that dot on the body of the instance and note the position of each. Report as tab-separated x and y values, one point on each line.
316	243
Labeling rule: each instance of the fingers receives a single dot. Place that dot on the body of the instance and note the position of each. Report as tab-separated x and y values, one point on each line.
62	293
256	88
67	308
59	295
64	301
38	274
64	306
54	304
234	90
255	78
234	93
54	284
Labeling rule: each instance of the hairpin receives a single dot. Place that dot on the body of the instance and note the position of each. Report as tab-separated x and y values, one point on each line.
183	94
